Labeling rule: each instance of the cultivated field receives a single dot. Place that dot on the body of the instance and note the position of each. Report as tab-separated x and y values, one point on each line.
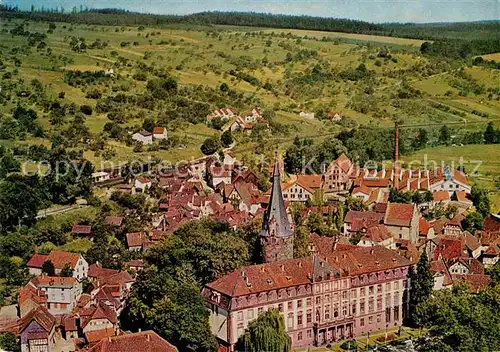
305	70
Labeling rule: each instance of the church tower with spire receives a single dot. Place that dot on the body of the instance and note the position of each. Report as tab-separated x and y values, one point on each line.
276	236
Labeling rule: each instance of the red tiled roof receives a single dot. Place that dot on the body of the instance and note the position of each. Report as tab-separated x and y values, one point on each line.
143	179
158	130
135	263
361	189
69	322
471	241
492	223
460	177
343	162
440	196
99	311
136	239
378	233
81	229
98	272
398	214
370	216
309	181
375	183
36	261
83	300
146	341
31	292
120	278
449	247
380	208
95	336
42	316
423	226
61	258
462	197
344	260
408	250
113	220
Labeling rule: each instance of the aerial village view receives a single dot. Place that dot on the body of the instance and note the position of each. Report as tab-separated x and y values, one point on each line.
222	176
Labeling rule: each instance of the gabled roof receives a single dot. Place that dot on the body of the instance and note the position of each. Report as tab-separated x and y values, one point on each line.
449	247
31	292
145	133
42	316
353	215
378	233
98	272
343	260
36	261
440	196
343	162
361	189
309	181
462	197
81	229
113	220
61	258
398	214
99	311
158	130
143	179
423	226
136	239
492	223
95	336
146	341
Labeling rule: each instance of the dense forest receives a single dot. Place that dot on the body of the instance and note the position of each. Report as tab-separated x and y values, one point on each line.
488	30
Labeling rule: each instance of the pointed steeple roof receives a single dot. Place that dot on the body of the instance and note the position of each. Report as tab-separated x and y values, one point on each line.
275	222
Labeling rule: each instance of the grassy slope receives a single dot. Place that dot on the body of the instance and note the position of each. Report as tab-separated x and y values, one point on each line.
202	63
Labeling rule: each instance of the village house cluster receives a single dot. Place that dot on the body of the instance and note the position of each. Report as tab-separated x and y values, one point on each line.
340	291
234	121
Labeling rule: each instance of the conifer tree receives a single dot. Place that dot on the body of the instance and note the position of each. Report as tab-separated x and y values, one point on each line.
48	268
422	282
267	333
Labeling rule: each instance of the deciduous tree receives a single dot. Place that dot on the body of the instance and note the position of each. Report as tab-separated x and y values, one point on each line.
267	333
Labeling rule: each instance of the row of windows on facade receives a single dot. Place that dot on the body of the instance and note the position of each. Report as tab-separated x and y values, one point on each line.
57	305
292	196
336	307
344	294
396	310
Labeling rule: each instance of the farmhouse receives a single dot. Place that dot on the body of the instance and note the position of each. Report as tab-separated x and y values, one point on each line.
224	114
160	133
143	137
60	259
143	183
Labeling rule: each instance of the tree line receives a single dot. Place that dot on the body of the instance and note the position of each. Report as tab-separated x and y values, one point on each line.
487	30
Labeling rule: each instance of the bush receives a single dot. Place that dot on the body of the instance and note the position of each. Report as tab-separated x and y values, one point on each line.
226	138
138	148
349	345
86	109
210	146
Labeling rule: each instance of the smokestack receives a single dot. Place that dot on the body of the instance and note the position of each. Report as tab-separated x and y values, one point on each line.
396	158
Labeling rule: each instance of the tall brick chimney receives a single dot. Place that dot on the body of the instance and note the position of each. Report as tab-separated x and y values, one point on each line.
396	157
